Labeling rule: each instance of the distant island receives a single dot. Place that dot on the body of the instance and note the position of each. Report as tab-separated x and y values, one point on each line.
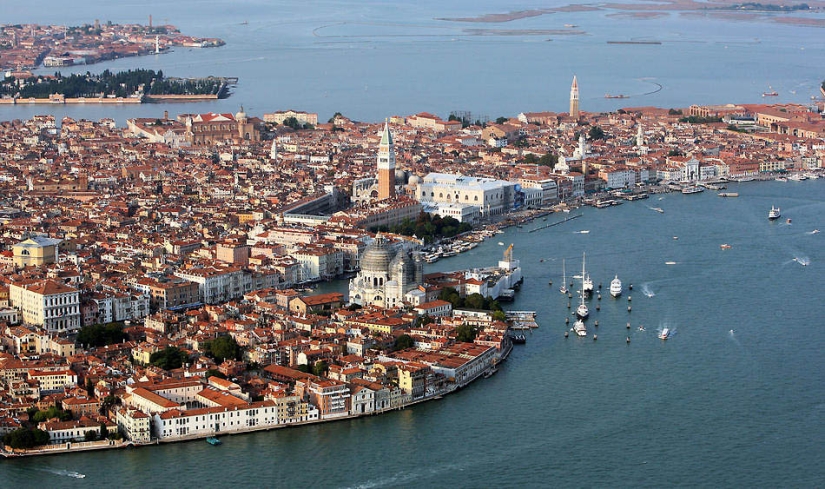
28	46
140	85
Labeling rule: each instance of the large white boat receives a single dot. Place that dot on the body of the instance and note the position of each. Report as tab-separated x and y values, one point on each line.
664	334
579	328
587	282
616	287
774	213
692	189
563	288
582	311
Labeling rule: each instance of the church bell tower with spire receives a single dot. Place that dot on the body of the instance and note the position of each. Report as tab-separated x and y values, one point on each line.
574	99
386	165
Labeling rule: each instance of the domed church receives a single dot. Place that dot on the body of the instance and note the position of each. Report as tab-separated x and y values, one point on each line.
388	273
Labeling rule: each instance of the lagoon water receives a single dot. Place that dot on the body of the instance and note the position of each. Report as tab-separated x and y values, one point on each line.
706	408
370	60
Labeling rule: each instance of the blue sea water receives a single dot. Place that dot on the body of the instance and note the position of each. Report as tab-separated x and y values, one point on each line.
369	60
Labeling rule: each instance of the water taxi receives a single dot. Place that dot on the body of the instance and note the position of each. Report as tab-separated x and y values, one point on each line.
212	440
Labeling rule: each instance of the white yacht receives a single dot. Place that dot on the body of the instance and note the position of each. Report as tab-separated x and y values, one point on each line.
582	311
579	328
616	287
563	288
587	282
664	334
774	213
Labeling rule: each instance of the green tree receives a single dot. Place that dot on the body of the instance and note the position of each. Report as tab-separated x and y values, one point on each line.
169	358
499	315
501	120
596	132
104	432
320	368
465	333
90	388
531	159
403	342
224	347
90	435
101	335
549	160
474	301
214	373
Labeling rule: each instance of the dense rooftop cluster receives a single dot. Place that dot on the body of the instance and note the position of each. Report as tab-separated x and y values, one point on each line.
197	253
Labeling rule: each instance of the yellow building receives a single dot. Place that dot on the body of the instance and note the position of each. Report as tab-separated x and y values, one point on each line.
35	251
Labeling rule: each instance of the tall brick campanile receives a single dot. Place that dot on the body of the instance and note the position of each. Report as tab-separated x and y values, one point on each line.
386	165
574	99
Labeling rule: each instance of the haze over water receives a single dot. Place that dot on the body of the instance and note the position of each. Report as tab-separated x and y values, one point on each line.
374	59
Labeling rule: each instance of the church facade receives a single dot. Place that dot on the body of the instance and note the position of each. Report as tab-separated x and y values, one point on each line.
389	276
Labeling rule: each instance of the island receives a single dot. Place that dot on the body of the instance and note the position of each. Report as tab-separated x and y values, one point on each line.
28	46
177	277
131	86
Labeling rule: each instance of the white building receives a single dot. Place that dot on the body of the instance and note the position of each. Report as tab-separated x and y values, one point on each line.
176	424
492	197
387	275
47	303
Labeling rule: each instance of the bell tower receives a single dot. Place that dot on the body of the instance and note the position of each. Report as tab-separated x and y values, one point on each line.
386	165
574	99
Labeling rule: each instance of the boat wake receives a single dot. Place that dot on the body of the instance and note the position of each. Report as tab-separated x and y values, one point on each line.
647	291
802	260
815	231
65	473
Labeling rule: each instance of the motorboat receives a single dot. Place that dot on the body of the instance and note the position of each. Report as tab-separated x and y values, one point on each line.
616	287
774	213
724	246
692	189
214	441
664	334
579	328
587	285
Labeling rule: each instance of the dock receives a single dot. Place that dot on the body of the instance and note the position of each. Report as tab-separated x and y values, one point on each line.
554	223
522	320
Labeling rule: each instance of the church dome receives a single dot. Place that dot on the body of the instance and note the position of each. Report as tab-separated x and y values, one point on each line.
240	115
377	256
415	180
403	266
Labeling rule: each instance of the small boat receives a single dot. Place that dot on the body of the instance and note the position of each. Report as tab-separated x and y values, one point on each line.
676	237
213	441
607	95
658	209
616	287
500	243
724	246
664	334
76	475
579	328
570	25
728	194
518	339
774	213
641	328
815	231
670	263
772	93
788	220
585	231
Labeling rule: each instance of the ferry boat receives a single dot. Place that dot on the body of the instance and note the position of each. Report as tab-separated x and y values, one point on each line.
772	93
616	287
692	189
664	334
607	95
774	213
213	441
